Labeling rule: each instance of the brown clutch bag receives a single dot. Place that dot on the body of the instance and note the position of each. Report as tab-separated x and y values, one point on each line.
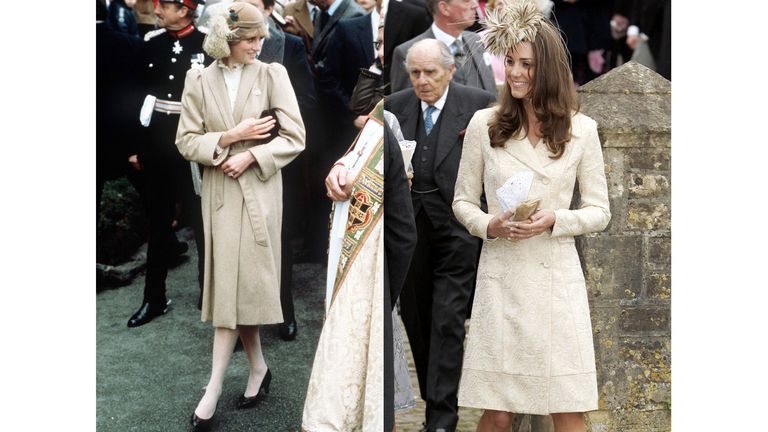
526	209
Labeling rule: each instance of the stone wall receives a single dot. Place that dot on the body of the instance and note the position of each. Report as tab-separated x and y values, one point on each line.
627	266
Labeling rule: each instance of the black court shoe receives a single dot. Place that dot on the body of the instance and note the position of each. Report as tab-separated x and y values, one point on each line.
252	401
201	425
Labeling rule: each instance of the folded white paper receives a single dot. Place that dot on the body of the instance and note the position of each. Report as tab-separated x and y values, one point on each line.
515	190
408	148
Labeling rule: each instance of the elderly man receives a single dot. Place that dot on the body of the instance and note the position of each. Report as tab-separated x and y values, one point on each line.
473	64
434	300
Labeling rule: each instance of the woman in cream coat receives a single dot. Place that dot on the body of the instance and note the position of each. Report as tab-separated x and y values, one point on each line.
221	129
529	347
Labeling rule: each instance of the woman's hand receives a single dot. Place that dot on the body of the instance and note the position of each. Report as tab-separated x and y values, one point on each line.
339	183
539	222
497	227
236	165
248	129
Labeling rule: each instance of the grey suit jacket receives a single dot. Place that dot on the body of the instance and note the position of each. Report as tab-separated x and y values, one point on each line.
273	47
399	75
460	105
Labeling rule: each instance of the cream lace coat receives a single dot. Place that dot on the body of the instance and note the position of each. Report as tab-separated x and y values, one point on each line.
529	347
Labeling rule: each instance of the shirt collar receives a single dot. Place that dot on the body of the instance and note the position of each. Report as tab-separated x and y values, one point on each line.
443	36
375	20
334	6
440	102
234	67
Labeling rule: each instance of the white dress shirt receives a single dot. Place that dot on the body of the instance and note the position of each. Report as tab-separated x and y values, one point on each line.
438	105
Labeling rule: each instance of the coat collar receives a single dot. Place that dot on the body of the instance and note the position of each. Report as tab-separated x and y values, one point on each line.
247	83
215	79
523	151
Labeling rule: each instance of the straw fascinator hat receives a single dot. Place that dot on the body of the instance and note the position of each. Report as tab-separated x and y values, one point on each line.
235	22
514	22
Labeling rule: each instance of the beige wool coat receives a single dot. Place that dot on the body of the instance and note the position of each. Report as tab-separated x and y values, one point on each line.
529	346
241	217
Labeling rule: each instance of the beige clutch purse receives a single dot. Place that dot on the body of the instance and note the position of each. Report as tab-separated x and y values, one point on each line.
526	209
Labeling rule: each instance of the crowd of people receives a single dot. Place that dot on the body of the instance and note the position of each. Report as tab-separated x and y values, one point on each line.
235	118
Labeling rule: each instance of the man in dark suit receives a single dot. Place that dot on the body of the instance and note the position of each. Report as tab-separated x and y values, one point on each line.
410	18
473	64
326	22
434	301
350	48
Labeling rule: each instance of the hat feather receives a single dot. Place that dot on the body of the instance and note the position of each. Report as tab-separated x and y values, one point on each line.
216	42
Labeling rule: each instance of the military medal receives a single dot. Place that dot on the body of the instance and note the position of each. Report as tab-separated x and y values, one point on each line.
177	49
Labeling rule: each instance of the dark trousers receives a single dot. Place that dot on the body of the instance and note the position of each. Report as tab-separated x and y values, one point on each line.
293	210
168	180
434	304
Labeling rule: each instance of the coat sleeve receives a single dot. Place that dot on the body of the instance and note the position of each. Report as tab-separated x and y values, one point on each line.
593	213
193	140
469	181
289	142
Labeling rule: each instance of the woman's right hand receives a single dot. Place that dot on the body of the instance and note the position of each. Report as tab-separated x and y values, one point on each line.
498	226
249	129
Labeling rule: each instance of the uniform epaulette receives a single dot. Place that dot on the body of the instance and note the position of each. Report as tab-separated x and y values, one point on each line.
203	30
153	33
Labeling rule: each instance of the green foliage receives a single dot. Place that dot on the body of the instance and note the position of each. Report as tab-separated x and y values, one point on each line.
122	223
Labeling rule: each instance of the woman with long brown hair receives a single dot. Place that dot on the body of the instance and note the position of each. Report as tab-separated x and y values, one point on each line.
529	347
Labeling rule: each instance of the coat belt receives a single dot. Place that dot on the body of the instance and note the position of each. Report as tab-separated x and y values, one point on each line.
219	179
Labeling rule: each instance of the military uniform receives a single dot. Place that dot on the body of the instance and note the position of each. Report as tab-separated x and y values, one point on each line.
167	55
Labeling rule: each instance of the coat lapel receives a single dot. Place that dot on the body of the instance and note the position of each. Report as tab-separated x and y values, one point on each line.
337	15
244	90
409	118
215	79
304	17
448	133
477	50
272	50
523	151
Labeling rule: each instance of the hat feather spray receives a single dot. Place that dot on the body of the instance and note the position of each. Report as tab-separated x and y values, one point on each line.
216	42
509	25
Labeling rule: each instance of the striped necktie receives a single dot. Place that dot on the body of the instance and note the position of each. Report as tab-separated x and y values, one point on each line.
428	124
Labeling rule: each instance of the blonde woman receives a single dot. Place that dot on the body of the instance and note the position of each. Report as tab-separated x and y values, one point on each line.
223	128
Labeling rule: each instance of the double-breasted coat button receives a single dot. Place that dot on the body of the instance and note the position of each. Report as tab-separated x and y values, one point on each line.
169	96
151	65
173	60
170	77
